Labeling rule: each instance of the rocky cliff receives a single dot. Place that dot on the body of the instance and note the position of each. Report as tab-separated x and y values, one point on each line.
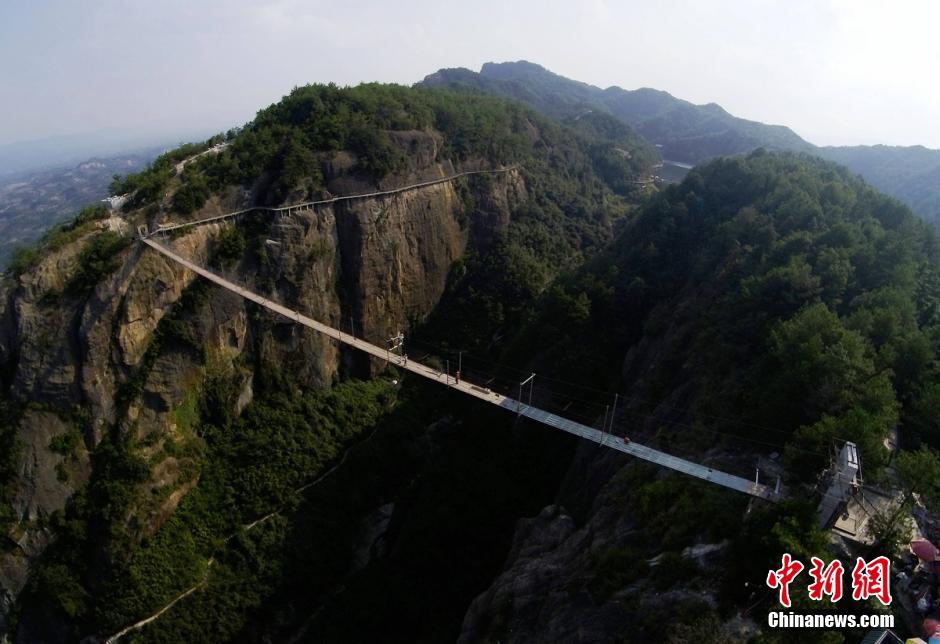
129	358
596	578
154	419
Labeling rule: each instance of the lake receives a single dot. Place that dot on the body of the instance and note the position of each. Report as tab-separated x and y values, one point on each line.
673	171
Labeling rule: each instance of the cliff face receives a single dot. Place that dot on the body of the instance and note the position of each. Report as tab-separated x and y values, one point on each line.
130	359
593	578
625	548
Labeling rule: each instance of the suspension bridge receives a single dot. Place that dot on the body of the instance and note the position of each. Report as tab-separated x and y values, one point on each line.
517	406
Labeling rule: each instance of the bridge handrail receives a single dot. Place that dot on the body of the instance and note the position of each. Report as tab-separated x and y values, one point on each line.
308	204
711	475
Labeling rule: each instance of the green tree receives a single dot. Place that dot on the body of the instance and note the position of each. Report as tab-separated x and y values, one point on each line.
919	473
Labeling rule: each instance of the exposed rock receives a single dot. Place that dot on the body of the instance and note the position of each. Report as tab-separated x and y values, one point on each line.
44	334
705	553
51	273
420	148
337	164
39	488
114	224
544	592
371	542
43	485
382	262
14	567
534	599
397	253
541	595
7	327
154	287
245	396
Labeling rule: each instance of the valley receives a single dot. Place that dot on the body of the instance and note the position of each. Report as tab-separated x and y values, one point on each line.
231	408
691	134
34	202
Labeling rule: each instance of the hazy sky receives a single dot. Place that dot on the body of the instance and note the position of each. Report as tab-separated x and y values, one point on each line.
836	71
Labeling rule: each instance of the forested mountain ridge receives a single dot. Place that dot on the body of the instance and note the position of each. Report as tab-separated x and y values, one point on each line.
768	302
691	133
161	436
160	417
756	251
912	173
683	131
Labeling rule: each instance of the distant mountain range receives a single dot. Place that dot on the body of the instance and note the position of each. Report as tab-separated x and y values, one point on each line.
911	174
61	151
679	131
690	133
33	202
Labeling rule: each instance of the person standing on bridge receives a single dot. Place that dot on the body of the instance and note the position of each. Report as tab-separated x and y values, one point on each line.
457	378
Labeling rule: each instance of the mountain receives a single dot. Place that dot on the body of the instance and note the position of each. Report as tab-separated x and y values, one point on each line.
33	202
159	416
912	174
178	460
690	133
684	132
743	310
59	152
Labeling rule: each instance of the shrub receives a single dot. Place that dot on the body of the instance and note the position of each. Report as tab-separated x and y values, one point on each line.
99	258
65	444
23	259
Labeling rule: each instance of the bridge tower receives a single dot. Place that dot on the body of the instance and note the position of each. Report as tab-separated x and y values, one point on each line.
844	482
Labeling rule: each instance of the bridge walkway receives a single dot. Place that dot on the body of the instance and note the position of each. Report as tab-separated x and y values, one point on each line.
663	459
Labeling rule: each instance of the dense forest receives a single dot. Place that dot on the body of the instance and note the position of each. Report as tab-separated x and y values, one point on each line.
910	173
796	297
768	303
683	131
773	302
103	572
283	142
696	133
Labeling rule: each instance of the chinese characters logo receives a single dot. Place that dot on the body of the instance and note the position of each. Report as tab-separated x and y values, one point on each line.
869	579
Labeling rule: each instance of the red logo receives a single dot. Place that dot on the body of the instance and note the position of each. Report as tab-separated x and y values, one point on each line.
869	579
872	580
784	576
826	581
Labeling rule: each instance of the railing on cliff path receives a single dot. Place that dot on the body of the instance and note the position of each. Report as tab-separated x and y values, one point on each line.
307	205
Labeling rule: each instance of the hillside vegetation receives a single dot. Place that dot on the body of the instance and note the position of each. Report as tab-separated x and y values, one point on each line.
780	292
117	556
771	302
287	142
768	303
912	174
693	134
684	132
